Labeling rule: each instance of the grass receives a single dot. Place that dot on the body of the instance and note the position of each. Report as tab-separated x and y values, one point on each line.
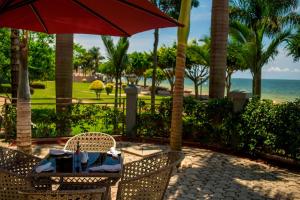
80	91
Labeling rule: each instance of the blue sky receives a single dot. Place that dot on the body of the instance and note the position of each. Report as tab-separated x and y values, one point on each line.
282	67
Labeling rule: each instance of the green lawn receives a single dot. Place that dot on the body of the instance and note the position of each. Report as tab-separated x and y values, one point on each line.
80	91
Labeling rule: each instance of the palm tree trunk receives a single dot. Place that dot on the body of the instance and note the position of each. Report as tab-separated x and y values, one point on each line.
256	84
228	83
116	91
196	89
15	64
145	81
219	35
23	103
183	33
153	88
64	81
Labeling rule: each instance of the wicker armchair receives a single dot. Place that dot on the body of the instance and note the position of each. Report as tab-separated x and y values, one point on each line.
14	168
92	142
147	179
90	194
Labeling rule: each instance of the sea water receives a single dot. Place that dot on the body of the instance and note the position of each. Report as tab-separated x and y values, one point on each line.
274	89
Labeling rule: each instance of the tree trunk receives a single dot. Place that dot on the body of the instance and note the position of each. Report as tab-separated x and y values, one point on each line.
145	82
120	92
15	64
219	35
196	89
256	84
228	83
183	33
64	81
116	91
23	103
153	88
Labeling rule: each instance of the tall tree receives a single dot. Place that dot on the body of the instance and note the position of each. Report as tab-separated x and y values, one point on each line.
267	20
64	80
236	61
138	64
197	64
183	34
118	58
219	35
96	58
23	103
167	62
171	7
41	57
15	63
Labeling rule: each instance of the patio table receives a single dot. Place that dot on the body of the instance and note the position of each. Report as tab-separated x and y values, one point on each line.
79	176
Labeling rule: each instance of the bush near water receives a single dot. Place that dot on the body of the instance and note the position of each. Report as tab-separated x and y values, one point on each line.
261	126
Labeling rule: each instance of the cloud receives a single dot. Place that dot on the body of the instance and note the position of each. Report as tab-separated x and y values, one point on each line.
277	69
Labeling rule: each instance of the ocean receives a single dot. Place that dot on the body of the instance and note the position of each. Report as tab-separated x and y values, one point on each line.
274	89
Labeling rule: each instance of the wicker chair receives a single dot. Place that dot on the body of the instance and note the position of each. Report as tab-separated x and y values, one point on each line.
90	194
14	168
92	142
147	179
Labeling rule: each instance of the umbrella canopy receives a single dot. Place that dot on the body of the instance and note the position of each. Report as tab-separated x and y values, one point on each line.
104	17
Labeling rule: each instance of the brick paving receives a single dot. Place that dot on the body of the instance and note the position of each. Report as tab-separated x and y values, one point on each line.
205	174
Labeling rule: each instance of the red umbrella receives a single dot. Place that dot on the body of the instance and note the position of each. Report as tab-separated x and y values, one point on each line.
104	17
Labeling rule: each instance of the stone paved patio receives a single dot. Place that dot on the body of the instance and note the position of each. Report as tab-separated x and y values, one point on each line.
205	174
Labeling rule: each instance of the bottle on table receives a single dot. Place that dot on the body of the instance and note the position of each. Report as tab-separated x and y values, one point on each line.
77	157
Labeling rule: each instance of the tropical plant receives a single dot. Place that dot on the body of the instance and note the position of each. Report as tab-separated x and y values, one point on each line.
260	22
293	45
219	35
96	57
97	86
197	64
183	34
64	79
117	57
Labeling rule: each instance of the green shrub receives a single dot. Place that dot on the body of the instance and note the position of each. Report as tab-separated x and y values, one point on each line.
97	86
109	88
38	85
5	88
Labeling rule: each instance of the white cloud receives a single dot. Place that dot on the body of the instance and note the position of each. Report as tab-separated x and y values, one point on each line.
277	69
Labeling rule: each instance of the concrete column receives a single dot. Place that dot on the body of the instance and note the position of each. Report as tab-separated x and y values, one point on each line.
131	109
239	99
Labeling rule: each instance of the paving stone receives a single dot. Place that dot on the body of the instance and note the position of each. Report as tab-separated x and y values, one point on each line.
205	174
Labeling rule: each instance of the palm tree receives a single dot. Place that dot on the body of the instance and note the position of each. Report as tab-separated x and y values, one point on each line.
183	34
265	20
171	7
219	35
96	57
64	81
255	53
14	62
117	57
23	103
293	45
